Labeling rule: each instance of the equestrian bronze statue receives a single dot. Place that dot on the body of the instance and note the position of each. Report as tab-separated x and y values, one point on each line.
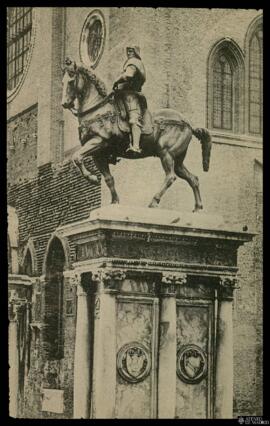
106	128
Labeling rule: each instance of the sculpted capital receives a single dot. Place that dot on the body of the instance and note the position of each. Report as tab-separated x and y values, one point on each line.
108	279
227	284
170	281
174	278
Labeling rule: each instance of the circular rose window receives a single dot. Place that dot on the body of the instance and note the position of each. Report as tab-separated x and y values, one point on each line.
92	39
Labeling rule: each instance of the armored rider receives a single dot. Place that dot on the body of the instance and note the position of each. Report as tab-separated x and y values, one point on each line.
131	80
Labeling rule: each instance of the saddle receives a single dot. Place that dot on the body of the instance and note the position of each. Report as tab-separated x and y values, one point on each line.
147	123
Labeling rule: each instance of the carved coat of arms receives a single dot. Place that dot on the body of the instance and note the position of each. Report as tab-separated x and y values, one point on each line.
133	362
191	364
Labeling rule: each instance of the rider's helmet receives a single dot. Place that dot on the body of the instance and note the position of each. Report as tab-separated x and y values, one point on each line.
136	51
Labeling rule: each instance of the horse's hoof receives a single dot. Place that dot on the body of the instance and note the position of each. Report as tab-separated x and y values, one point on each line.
134	150
153	205
115	202
197	209
93	179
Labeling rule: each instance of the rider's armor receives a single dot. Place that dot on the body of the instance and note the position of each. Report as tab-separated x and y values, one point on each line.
136	82
132	80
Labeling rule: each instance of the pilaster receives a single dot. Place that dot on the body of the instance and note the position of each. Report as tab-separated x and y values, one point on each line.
104	368
224	349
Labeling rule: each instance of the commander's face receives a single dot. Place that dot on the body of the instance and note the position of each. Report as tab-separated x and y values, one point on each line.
130	53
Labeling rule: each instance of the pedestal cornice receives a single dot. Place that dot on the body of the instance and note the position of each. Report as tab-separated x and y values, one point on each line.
154	223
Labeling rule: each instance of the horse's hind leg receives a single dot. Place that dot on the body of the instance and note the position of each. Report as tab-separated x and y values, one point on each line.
103	166
193	181
168	166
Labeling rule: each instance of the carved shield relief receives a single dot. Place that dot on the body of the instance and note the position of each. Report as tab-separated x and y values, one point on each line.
191	364
133	362
194	362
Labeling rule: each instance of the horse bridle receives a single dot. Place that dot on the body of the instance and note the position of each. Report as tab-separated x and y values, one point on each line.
75	112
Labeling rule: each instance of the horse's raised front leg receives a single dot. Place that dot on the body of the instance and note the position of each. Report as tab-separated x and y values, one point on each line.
168	166
193	181
78	158
103	166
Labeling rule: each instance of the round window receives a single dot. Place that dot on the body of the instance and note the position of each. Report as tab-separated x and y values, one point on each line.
92	39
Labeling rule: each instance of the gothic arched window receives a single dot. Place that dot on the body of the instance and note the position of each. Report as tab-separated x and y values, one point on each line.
255	94
225	88
19	29
53	332
222	93
27	264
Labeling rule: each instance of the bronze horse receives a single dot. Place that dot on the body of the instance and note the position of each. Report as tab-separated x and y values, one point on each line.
105	135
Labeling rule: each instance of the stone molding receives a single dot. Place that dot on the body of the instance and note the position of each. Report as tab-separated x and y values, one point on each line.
144	224
20	279
15	306
156	266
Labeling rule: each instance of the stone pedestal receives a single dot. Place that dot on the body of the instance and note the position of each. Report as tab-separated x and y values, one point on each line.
154	278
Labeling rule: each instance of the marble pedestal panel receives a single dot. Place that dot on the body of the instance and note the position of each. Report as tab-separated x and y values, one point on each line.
154	313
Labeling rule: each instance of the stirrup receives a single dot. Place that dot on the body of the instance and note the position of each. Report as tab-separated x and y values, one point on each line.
132	149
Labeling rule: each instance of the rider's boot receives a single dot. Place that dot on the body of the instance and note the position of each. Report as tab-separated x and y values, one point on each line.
136	135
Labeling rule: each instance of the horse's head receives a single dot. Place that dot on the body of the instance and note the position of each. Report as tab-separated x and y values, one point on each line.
73	83
82	84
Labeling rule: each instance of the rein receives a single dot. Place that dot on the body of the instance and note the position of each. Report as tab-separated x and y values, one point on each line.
103	102
99	118
93	108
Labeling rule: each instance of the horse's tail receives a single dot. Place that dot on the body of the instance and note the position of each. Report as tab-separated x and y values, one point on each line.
205	138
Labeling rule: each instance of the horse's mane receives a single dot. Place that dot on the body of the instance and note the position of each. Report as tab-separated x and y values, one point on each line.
100	86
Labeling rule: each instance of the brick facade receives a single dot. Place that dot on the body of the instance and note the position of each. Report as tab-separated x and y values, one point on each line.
57	196
47	191
22	146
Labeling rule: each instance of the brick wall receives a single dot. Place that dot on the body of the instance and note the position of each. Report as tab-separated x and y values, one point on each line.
56	373
22	146
57	196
